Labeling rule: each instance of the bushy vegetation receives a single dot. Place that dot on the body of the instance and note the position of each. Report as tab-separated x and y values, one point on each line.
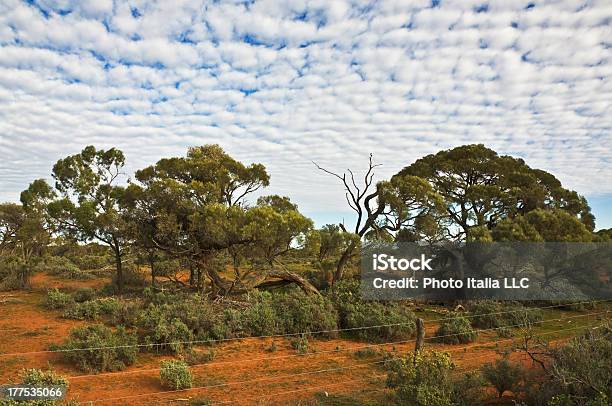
63	267
97	348
38	377
13	273
579	373
56	299
175	375
425	379
489	314
92	309
503	375
83	295
300	344
455	329
393	321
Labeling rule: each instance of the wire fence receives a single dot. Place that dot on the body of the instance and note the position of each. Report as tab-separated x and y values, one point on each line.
296	334
340	350
302	374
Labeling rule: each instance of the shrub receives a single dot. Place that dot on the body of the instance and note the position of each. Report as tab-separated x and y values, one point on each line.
37	377
581	372
172	336
502	375
91	262
84	294
57	300
175	375
107	350
456	330
489	314
366	353
92	309
126	314
260	317
396	321
14	273
63	267
300	344
299	312
423	379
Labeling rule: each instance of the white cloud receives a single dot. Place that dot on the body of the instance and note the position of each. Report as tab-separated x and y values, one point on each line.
284	83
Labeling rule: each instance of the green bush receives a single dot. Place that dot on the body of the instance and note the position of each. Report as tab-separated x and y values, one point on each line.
167	335
455	330
260	317
56	299
91	262
63	267
581	372
396	322
84	294
175	375
92	309
97	348
422	379
298	312
300	344
37	377
426	379
126	314
489	314
14	273
503	375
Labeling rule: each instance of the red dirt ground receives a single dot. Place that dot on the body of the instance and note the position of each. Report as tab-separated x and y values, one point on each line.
26	326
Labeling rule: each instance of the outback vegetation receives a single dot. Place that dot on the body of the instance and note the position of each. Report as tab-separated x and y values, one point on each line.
166	270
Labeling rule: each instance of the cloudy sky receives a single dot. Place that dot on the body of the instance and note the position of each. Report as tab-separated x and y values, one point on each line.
287	82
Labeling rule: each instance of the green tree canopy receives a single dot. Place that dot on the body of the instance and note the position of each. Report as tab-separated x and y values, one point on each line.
88	207
195	207
481	189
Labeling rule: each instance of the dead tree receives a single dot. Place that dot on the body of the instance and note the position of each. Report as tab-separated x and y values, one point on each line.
363	201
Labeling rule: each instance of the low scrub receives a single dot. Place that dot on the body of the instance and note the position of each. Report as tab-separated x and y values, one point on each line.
456	330
388	321
298	312
97	348
175	375
426	379
503	375
490	314
56	299
38	377
63	267
92	309
164	332
84	294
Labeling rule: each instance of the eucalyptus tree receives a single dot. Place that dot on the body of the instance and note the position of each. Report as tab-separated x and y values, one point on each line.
195	207
87	207
480	189
23	239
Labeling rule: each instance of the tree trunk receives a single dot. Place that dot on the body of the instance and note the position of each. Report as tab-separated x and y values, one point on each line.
343	261
119	268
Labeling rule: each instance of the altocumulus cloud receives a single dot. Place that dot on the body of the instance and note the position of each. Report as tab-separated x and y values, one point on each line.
287	82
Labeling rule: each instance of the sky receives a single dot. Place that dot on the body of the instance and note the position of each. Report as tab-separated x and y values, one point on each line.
285	83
